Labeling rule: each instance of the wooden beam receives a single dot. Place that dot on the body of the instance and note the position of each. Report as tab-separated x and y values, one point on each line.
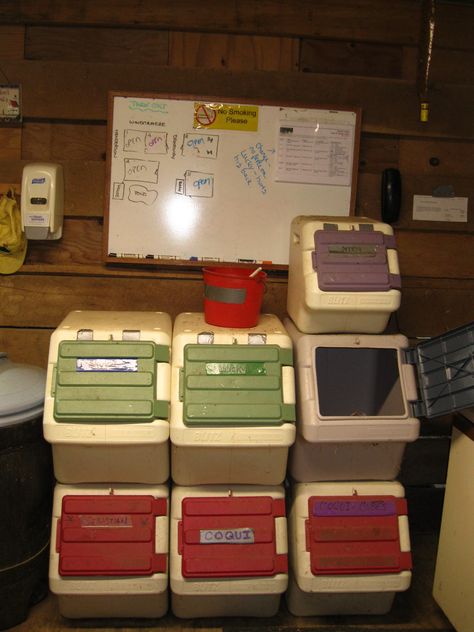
337	19
62	90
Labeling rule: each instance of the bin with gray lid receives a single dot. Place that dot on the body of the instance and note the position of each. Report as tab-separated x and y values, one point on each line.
26	485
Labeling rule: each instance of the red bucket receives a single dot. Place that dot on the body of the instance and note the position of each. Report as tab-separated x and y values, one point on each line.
232	298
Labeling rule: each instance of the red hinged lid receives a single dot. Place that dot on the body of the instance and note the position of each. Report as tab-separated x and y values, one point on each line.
348	535
109	535
230	537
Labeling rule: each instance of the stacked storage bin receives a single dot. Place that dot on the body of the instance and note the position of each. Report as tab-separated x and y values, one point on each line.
232	423
348	529
107	418
359	393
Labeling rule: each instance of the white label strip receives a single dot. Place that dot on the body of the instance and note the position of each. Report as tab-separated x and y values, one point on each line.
439	209
227	536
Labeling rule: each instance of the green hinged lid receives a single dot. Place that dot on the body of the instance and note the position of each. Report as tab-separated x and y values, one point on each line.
226	385
108	381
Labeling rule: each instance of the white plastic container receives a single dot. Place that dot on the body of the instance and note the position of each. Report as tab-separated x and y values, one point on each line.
109	551
343	274
228	551
107	397
349	548
359	398
232	402
454	574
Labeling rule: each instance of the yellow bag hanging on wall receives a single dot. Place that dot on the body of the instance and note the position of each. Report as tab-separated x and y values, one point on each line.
12	239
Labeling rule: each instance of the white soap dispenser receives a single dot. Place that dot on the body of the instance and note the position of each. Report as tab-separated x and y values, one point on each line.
42	200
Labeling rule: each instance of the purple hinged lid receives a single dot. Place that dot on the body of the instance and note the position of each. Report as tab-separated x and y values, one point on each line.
353	261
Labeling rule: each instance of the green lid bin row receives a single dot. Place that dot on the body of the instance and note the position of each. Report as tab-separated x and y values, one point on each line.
229	385
109	381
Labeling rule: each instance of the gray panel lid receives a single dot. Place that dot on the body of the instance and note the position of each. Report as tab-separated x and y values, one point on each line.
445	367
22	389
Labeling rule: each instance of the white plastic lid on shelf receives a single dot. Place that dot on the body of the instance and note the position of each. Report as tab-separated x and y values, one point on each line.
21	392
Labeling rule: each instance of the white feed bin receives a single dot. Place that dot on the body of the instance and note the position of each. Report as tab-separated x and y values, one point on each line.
109	552
232	402
359	397
107	397
343	274
349	548
228	550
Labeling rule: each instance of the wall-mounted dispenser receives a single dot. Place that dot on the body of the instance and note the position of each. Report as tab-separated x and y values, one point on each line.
42	200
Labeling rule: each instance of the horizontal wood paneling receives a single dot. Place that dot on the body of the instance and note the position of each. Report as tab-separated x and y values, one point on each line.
389	106
64	141
12	40
337	19
28	346
29	302
381	60
119	46
369	200
421	254
234	52
352	58
10	143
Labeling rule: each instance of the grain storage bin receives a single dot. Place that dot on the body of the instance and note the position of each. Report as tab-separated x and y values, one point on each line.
109	553
343	274
349	548
107	397
228	550
359	398
232	402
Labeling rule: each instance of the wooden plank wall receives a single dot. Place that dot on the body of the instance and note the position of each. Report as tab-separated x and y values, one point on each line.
68	55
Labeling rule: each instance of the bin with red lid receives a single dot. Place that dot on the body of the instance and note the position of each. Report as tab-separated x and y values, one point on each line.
109	551
228	550
349	547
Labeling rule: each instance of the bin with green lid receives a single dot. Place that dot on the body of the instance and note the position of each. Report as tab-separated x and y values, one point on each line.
107	397
232	403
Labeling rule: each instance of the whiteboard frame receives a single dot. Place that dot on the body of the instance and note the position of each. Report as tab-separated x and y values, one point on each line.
187	263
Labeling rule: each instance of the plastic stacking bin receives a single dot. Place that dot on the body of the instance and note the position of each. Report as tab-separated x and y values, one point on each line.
343	275
454	574
107	397
232	402
228	551
360	396
349	548
109	552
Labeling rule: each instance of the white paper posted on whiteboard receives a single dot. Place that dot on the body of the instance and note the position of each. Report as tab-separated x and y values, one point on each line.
314	153
439	209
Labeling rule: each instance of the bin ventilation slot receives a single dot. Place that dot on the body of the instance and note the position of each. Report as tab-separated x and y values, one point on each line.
362	382
230	537
234	385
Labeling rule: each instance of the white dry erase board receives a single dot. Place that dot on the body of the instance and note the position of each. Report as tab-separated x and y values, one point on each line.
193	179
